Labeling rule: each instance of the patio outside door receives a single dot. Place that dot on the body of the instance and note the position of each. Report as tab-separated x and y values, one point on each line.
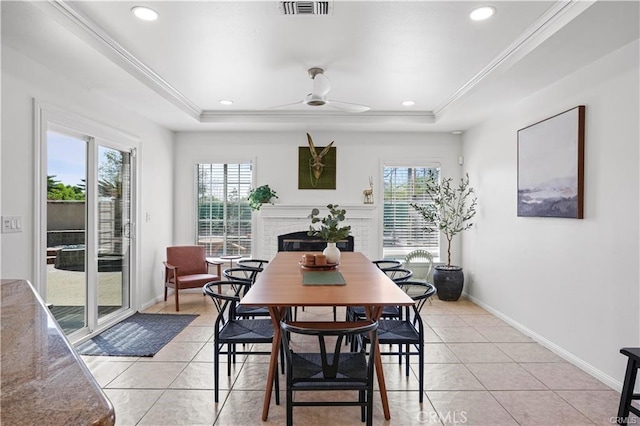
89	229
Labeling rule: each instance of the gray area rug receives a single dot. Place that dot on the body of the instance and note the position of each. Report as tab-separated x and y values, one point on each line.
138	335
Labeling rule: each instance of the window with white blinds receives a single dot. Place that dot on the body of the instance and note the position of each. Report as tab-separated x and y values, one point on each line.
403	227
224	215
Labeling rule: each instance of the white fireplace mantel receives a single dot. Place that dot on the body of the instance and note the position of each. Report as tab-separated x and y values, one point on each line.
302	211
278	219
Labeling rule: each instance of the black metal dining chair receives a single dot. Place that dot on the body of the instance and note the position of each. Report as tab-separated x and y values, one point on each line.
246	275
231	330
398	276
627	396
408	332
331	367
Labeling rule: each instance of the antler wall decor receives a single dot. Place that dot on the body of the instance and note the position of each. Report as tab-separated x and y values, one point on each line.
315	163
316	166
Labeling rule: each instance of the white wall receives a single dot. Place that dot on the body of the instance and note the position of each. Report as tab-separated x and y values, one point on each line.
359	155
573	284
23	80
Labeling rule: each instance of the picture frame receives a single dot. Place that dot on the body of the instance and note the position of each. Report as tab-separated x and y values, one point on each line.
551	166
306	176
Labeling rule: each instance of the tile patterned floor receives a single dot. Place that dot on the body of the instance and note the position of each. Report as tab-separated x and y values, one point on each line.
478	371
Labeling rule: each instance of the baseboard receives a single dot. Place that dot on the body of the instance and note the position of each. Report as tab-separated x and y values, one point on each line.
160	297
151	302
561	352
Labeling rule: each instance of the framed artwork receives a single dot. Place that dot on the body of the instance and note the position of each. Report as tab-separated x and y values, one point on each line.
551	166
317	167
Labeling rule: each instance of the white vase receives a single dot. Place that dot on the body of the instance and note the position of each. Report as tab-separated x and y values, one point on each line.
332	252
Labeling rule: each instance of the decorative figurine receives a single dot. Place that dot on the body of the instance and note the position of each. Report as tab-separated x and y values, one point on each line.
368	193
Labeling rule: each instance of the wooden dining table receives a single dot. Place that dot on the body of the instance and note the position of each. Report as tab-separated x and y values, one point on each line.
280	286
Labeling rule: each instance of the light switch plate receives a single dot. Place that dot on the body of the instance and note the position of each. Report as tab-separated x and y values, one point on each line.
11	224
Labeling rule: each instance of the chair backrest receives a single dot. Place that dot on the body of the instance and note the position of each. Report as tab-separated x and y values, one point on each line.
245	274
225	296
419	291
421	263
189	259
337	331
398	275
253	263
385	263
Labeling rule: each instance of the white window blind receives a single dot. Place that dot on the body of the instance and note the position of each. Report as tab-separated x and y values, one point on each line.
403	227
224	215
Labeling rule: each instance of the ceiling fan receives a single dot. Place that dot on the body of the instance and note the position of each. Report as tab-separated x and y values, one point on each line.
318	95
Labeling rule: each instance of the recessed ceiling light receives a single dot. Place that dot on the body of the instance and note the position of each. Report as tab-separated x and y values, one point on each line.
408	103
144	13
226	102
456	132
482	13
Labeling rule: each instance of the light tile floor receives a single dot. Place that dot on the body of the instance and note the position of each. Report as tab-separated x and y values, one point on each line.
479	371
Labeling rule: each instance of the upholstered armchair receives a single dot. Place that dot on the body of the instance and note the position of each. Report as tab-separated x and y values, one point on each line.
187	267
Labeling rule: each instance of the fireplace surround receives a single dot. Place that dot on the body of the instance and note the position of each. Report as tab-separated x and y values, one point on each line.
300	241
281	219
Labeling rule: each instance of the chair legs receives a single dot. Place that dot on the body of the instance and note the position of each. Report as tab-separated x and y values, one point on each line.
289	407
420	372
216	373
370	407
627	396
231	355
407	355
366	411
166	292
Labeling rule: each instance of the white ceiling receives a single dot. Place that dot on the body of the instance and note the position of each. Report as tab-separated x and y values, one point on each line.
379	53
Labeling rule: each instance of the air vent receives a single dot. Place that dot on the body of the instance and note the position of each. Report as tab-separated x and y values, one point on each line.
305	7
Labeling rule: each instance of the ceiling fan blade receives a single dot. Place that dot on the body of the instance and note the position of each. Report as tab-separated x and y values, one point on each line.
321	86
290	106
347	106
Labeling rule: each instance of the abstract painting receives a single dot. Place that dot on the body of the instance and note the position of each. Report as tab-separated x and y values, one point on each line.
551	166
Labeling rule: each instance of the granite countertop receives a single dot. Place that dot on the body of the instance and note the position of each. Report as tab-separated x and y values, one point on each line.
42	380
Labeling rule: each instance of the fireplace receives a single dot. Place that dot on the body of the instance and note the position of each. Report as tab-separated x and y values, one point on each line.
300	241
282	220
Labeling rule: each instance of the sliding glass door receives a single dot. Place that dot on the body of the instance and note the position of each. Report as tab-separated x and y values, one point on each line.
88	222
114	229
66	218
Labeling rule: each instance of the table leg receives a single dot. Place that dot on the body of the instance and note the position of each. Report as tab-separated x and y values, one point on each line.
375	312
276	314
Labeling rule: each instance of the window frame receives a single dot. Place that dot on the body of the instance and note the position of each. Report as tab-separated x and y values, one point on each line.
407	163
196	216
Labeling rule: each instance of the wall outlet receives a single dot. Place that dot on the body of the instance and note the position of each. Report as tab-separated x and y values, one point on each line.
11	224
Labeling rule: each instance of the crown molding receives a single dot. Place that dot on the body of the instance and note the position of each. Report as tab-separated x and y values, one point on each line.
556	17
549	23
332	117
93	33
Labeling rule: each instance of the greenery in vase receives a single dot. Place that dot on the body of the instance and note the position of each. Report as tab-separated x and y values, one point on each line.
330	229
451	210
260	195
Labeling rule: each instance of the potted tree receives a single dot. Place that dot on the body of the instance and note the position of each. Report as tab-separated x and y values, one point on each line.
260	195
330	230
450	212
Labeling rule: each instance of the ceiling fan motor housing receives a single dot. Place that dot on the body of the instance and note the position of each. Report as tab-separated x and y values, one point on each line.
314	100
315	71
